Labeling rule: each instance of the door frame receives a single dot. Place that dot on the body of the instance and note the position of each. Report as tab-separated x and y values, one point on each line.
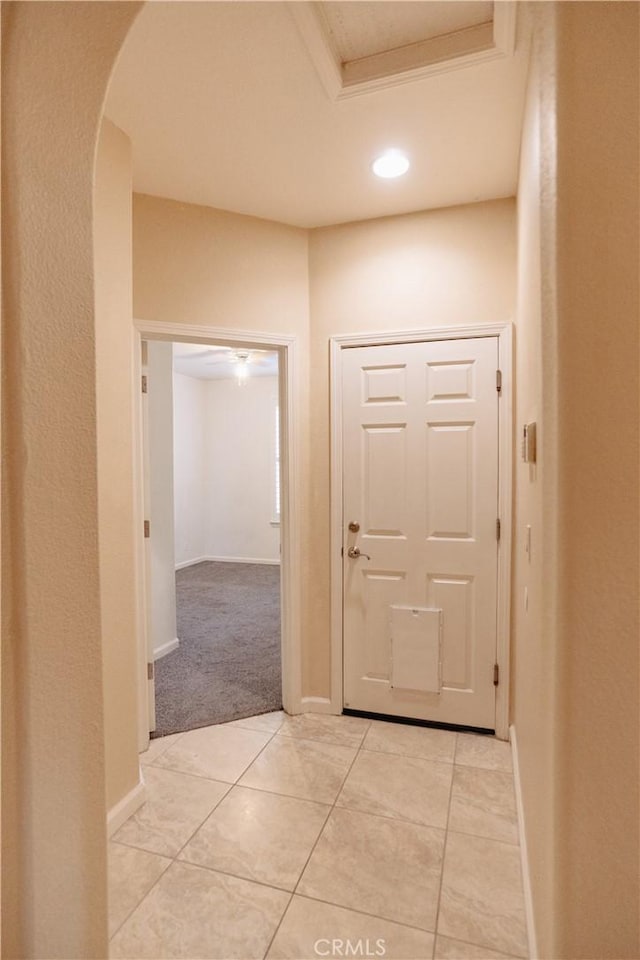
290	586
504	334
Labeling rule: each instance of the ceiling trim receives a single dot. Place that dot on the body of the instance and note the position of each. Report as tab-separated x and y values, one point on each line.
415	61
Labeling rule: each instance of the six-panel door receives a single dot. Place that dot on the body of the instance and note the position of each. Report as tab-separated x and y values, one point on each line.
420	428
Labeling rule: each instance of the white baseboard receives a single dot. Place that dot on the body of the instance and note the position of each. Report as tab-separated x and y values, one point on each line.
190	563
125	807
524	856
166	648
244	560
317	705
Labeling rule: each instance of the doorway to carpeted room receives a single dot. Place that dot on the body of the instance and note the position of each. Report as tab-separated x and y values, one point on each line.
212	492
228	664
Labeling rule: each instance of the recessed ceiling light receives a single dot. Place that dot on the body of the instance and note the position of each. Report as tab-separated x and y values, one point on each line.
390	164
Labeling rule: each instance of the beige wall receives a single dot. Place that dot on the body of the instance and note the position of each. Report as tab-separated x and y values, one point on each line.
56	62
197	265
597	774
114	408
435	269
576	650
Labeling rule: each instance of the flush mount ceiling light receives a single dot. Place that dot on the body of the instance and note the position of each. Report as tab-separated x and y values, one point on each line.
390	164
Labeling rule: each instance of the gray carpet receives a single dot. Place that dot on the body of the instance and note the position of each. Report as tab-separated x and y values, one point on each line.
228	663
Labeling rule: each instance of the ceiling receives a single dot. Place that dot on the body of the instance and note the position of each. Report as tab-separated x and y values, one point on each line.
225	106
361	29
217	363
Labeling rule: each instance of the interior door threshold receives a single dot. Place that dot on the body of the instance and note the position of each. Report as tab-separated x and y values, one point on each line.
463	728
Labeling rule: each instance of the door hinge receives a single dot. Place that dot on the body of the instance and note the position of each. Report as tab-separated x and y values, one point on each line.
150	671
499	381
144	383
496	674
342	551
498	529
147	529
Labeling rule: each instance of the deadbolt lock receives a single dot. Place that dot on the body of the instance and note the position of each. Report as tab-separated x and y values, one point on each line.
354	526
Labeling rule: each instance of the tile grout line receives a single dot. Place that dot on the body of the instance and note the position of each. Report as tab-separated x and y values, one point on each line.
407	756
444	848
174	858
135	907
482	836
317	803
360	748
226	794
234	876
387	816
390	753
171	859
286	796
235	782
317	840
271	886
479	946
373	916
461	833
271	733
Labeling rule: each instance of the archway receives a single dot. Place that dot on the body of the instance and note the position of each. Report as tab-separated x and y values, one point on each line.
57	62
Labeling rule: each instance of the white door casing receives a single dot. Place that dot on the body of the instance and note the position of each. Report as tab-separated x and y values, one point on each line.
420	438
146	506
290	588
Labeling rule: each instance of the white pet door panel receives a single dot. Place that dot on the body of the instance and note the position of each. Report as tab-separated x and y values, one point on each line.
416	638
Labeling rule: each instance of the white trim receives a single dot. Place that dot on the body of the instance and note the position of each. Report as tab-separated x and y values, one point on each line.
290	528
319	705
166	648
192	333
145	706
289	405
413	62
191	563
323	56
524	856
127	806
273	563
504	333
505	510
336	536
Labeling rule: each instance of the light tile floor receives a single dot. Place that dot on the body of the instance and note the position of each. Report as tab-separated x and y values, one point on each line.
294	838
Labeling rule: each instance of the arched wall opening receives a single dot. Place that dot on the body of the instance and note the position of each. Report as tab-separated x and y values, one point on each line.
57	61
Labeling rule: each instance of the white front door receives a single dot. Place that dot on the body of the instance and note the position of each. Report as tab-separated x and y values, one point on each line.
420	429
